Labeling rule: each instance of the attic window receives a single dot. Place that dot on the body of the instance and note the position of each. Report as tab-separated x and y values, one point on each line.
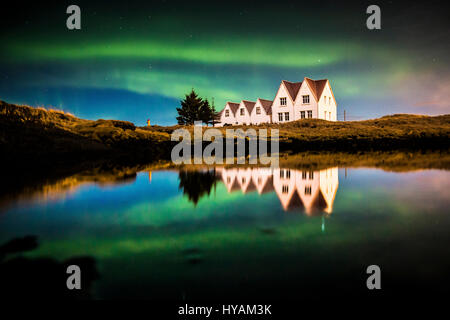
242	111
258	110
227	113
305	99
283	101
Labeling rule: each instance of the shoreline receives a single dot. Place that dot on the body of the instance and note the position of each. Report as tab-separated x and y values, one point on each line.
58	138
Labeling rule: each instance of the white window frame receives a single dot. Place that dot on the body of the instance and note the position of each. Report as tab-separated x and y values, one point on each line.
305	99
302	114
286	116
283	101
280	116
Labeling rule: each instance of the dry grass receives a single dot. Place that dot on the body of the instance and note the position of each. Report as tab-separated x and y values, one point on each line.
39	132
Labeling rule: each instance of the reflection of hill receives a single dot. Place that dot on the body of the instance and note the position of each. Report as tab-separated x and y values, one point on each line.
311	191
398	160
14	189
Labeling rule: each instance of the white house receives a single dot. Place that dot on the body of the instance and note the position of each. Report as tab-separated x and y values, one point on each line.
244	112
262	112
228	115
293	101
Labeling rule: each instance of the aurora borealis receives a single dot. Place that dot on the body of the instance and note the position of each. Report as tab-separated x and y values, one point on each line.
135	60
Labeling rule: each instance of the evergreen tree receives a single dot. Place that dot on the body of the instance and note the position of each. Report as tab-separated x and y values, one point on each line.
191	109
206	112
214	114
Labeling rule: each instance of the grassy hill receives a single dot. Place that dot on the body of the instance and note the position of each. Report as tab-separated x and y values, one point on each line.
388	132
36	133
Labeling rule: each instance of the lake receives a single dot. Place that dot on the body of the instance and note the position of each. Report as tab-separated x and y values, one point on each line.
264	233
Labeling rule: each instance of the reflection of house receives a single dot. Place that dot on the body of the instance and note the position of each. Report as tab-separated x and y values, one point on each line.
308	190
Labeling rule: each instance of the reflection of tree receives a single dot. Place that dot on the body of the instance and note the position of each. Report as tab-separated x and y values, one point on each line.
196	184
41	278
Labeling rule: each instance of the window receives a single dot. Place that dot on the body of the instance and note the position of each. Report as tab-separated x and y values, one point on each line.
288	173
258	110
227	113
283	101
302	114
311	175
228	180
242	111
325	99
309	114
285	189
308	190
306	99
281	173
329	100
286	116
280	116
243	180
303	175
325	115
259	180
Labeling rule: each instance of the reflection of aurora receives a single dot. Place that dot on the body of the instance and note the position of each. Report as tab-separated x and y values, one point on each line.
314	191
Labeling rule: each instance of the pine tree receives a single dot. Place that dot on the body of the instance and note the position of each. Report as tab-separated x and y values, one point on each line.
191	109
214	113
206	112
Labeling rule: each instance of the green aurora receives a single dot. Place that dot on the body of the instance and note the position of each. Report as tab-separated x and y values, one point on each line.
146	55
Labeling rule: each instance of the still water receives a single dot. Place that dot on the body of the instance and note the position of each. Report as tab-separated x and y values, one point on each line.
243	232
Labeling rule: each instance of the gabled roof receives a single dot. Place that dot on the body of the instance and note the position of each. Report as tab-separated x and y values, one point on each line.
316	86
268	187
235	186
295	202
249	105
292	88
233	106
267	105
250	187
317	206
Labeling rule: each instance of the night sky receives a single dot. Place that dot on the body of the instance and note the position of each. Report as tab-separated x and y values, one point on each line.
134	60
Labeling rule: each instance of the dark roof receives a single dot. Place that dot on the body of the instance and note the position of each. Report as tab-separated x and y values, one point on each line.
268	187
251	186
235	186
233	106
319	204
249	105
292	88
316	86
295	202
267	105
